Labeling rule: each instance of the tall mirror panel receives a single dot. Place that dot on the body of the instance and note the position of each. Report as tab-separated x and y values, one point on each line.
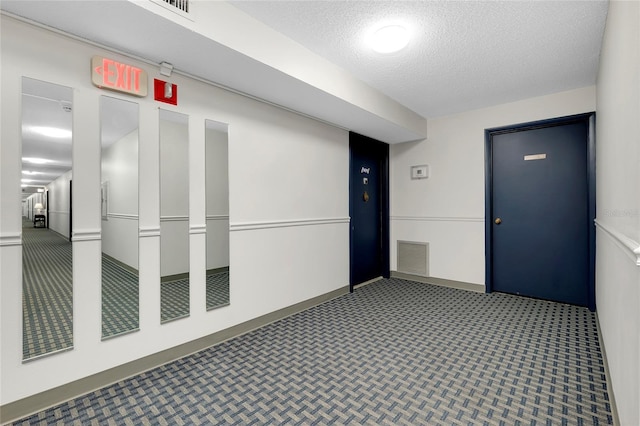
217	190
174	215
47	278
119	193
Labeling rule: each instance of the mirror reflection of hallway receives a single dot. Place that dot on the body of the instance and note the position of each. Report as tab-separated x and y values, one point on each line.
174	215
47	272
217	210
119	211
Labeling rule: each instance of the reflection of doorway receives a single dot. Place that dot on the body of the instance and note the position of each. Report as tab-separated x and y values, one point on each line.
540	210
70	209
368	209
47	209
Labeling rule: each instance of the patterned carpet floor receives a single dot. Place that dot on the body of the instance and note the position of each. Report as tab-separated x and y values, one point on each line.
119	299
174	299
47	291
393	352
217	289
174	295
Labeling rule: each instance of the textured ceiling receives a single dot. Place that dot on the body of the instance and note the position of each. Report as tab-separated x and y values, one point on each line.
463	54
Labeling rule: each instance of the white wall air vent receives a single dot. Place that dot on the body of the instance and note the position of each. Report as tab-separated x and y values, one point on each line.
413	258
183	5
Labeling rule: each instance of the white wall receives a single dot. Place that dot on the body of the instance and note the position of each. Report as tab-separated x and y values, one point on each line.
59	204
618	214
288	211
447	209
120	173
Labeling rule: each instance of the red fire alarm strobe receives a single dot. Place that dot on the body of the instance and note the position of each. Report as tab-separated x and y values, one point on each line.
164	91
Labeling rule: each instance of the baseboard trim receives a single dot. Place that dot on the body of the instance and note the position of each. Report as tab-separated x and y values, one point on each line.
122	264
371	281
52	397
217	270
460	285
607	373
174	277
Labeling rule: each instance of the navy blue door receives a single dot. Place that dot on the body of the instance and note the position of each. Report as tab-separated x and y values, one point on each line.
540	215
368	208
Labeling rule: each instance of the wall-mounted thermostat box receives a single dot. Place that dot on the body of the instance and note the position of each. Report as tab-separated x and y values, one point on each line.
420	172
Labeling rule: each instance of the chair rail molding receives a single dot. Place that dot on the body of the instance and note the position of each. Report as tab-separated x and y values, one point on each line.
438	218
86	234
149	231
630	246
217	217
247	226
173	218
198	229
11	239
123	216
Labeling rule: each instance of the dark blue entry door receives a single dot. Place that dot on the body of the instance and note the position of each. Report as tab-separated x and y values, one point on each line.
368	209
540	215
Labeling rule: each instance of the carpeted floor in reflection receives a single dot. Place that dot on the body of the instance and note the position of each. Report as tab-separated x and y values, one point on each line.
47	291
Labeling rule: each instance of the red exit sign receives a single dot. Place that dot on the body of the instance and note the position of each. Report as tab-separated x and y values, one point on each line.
113	75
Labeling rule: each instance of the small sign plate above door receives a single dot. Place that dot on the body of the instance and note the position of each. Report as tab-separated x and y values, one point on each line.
535	157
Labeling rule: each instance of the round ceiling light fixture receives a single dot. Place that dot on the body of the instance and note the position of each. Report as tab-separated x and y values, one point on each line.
389	39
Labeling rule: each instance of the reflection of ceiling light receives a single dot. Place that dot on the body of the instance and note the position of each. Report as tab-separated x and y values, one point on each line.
389	39
27	172
40	189
35	160
27	180
51	132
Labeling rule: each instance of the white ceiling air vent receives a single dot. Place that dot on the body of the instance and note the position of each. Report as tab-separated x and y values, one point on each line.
413	258
183	5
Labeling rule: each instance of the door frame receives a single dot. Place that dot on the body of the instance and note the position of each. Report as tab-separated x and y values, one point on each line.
47	211
71	210
590	120
382	149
